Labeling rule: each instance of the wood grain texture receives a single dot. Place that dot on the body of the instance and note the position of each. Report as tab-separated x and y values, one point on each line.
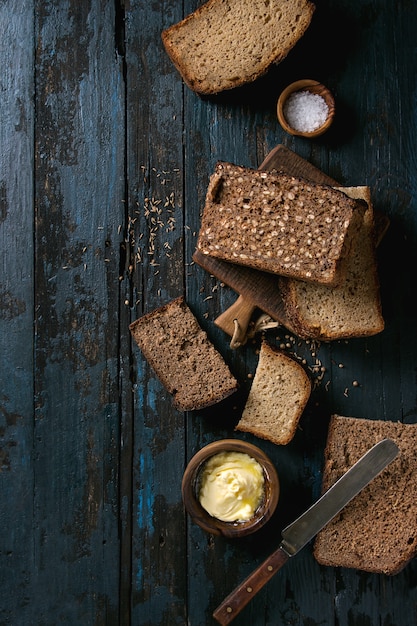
79	206
104	164
16	309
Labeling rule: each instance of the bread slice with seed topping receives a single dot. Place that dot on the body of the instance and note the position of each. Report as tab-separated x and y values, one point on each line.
227	43
278	223
377	531
350	309
279	393
182	356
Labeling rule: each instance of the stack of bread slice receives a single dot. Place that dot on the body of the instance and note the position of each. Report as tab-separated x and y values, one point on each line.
319	239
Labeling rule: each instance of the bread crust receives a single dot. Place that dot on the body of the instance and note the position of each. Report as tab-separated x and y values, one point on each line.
377	531
183	358
217	47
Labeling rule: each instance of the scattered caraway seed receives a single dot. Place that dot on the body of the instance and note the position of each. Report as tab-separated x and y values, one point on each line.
296	346
156	217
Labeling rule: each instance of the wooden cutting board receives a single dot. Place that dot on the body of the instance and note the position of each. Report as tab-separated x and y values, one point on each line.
257	289
282	158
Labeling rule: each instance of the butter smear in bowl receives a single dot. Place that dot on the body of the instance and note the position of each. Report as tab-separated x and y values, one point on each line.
230	487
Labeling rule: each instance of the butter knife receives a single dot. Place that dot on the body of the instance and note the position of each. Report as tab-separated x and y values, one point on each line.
304	528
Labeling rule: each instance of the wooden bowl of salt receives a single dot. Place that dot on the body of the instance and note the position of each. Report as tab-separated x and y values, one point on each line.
306	108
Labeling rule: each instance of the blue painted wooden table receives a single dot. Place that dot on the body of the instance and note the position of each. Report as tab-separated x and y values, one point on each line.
105	158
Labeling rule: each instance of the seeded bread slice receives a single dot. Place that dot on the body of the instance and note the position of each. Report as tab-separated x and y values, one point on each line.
279	393
278	223
377	531
227	43
350	309
182	356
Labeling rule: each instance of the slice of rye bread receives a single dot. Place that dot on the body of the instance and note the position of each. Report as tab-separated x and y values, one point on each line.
279	393
349	309
377	531
182	356
227	43
278	223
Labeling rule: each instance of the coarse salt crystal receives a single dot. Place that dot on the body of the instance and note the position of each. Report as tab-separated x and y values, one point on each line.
305	111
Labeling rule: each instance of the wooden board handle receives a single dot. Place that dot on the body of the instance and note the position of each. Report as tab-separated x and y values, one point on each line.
240	312
242	595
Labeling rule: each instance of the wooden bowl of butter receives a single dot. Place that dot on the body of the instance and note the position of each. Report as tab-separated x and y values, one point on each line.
230	488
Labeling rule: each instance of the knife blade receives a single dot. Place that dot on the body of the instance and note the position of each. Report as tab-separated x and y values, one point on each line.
297	534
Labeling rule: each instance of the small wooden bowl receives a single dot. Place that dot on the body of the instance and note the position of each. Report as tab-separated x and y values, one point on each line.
314	87
213	525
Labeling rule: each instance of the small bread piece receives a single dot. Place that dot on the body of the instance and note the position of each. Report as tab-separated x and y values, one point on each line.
377	531
350	309
278	223
280	391
227	43
182	356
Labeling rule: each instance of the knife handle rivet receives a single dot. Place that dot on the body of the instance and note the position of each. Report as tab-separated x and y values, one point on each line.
249	589
229	609
270	568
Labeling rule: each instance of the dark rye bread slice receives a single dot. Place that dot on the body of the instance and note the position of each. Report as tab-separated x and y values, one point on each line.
377	531
279	393
182	356
226	43
350	309
278	223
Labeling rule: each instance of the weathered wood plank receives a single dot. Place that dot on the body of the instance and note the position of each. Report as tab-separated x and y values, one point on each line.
16	308
155	171
79	187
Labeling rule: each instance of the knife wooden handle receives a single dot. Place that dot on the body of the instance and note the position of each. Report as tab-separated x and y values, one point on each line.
242	595
241	311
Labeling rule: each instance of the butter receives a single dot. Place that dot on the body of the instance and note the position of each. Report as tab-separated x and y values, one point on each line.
231	486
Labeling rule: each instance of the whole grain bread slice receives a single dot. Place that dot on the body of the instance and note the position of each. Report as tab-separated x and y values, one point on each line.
350	309
279	393
183	357
278	223
227	43
377	531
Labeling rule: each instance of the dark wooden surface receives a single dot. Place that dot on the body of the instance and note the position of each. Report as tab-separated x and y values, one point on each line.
105	158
